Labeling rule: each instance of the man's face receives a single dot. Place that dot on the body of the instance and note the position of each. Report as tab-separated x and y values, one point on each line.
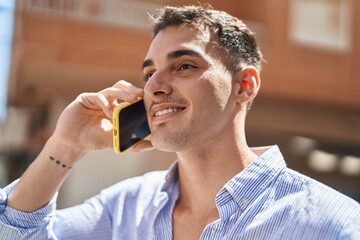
187	90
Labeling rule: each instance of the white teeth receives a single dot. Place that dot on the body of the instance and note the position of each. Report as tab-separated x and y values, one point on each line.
167	111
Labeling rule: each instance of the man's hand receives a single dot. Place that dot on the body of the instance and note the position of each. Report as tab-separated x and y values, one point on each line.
86	124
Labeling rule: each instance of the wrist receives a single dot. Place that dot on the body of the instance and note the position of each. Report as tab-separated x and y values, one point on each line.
63	153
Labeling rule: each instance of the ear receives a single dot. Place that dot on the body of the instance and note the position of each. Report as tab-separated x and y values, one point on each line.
247	84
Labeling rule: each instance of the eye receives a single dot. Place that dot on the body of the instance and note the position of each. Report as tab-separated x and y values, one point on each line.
186	66
147	76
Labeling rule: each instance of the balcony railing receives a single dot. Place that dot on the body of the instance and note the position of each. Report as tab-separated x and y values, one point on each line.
129	13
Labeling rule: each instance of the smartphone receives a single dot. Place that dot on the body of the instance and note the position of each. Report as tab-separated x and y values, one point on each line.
130	125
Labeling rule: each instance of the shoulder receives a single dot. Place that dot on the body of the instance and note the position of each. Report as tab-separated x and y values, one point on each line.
319	206
316	193
128	201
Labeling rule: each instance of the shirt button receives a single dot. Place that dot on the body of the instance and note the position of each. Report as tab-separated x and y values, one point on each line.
244	200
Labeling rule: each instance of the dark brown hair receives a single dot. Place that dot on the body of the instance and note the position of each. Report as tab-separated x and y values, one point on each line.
235	40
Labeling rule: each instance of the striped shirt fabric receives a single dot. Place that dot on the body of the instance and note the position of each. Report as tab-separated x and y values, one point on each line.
266	200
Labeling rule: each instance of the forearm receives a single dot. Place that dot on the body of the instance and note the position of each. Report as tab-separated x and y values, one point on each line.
44	177
84	126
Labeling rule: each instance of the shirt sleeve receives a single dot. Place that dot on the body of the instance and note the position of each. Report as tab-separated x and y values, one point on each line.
90	220
15	224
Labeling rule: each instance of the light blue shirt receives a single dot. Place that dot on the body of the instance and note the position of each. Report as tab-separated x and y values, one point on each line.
266	200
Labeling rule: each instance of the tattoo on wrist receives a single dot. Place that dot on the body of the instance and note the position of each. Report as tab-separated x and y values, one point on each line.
58	162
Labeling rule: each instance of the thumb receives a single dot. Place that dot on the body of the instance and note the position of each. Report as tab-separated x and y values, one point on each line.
143	145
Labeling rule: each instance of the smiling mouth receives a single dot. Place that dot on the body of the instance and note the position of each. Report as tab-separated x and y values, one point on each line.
167	111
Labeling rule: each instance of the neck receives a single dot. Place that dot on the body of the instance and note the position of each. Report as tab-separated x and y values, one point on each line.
205	169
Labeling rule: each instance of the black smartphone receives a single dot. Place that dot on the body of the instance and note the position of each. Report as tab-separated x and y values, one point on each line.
130	125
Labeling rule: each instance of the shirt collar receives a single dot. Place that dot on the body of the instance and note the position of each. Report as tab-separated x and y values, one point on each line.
169	189
171	178
247	185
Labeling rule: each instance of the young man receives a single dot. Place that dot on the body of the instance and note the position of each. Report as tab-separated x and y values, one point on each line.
201	73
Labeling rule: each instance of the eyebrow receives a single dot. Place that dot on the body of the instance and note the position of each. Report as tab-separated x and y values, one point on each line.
173	55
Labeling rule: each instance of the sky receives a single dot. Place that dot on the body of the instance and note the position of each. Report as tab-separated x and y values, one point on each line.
6	30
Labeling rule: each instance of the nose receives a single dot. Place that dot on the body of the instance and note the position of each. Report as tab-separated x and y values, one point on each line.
158	85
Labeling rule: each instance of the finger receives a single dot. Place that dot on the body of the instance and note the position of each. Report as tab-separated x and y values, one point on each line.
94	101
122	84
104	104
109	133
113	93
143	145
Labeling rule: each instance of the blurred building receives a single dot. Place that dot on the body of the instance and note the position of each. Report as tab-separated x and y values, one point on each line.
309	102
